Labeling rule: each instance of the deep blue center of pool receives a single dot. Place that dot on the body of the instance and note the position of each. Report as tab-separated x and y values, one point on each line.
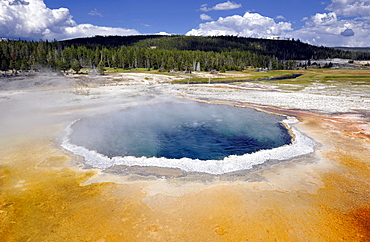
177	130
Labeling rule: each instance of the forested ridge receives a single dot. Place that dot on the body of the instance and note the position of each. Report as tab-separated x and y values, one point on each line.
164	53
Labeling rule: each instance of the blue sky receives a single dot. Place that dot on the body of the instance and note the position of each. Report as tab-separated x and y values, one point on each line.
329	23
177	17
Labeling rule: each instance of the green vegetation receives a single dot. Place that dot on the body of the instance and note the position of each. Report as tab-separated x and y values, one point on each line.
163	53
75	65
101	68
327	77
337	75
281	49
244	76
346	77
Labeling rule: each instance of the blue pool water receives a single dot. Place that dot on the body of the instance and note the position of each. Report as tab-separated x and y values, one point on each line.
178	130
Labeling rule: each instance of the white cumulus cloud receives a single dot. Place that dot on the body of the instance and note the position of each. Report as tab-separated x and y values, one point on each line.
88	30
280	17
346	25
33	20
248	25
323	19
205	17
329	30
350	8
222	6
95	13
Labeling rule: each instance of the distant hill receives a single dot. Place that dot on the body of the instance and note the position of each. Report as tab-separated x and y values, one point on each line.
281	49
354	49
166	53
109	41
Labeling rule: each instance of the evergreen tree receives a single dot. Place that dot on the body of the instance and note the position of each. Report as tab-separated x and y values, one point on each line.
76	66
4	66
101	69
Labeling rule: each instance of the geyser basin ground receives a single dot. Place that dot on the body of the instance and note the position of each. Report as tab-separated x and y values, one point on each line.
194	137
45	196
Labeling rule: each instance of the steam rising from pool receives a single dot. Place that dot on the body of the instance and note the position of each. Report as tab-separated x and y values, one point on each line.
194	137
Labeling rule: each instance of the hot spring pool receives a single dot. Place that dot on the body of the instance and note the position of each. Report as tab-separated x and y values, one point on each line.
191	136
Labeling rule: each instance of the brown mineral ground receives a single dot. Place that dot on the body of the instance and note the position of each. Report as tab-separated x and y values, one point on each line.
324	196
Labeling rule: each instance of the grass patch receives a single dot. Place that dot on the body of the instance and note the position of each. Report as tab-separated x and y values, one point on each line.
349	77
326	76
332	78
249	76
